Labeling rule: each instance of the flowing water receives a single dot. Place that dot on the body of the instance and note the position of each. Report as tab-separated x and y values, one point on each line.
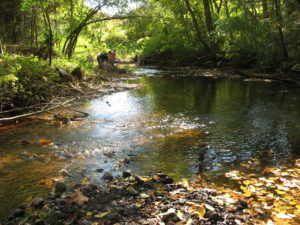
175	124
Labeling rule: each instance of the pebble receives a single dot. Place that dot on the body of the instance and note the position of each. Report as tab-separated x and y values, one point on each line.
100	170
108	176
126	174
170	217
19	213
60	188
37	203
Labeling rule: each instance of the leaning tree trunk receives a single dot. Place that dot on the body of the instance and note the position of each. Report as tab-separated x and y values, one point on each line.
50	35
50	43
196	26
71	40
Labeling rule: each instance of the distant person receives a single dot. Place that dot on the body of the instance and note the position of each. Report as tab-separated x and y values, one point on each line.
103	57
112	56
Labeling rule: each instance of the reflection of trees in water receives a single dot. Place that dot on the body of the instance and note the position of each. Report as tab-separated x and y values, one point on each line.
250	120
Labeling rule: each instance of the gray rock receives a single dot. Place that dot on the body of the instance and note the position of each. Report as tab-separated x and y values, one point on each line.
64	75
60	188
133	192
19	213
126	174
170	217
215	216
100	170
37	203
108	176
77	73
113	218
296	67
127	160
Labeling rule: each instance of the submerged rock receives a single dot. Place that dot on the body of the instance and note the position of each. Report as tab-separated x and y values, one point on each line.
108	176
19	213
60	188
126	174
100	170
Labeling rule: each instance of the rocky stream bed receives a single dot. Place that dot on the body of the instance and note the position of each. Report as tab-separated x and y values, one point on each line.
154	199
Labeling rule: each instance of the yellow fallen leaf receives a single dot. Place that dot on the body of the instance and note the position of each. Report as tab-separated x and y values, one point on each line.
189	222
280	192
101	215
294	202
247	182
185	182
201	212
138	204
85	180
247	194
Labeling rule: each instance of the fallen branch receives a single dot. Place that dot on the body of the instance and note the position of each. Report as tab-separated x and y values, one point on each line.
249	74
35	113
84	113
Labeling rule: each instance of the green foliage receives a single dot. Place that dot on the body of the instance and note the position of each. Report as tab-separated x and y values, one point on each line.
248	42
24	79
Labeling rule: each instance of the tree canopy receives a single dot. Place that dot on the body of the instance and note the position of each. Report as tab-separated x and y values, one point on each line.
252	33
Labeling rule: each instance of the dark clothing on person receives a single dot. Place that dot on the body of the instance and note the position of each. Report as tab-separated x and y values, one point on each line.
103	57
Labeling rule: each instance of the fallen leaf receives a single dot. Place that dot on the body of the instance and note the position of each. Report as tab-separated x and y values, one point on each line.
48	183
78	198
45	141
101	215
89	213
144	195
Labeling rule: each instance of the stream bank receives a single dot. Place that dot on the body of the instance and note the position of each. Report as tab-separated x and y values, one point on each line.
210	65
62	94
154	199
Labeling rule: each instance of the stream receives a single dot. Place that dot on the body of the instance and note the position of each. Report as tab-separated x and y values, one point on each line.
177	124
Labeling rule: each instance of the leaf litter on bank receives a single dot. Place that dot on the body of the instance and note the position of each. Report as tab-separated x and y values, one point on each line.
271	197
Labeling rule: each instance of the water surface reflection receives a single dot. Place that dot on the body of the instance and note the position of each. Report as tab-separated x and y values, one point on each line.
174	124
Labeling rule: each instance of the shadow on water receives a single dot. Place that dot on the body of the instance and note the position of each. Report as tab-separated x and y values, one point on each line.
174	124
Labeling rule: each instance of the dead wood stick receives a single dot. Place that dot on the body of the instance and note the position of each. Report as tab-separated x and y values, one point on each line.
35	113
84	113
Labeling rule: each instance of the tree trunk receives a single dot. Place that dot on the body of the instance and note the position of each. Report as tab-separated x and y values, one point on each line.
196	26
217	7
280	32
227	8
1	48
265	8
71	40
208	18
50	33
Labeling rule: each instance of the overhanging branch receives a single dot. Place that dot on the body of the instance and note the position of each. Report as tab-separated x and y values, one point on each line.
112	18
